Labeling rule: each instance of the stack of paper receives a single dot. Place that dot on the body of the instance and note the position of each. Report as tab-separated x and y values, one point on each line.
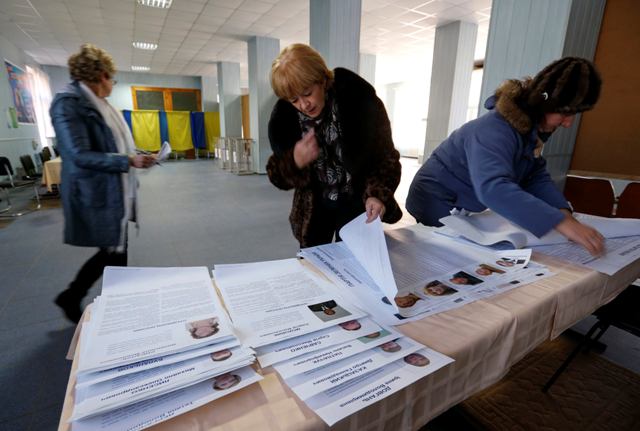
158	344
622	245
332	356
405	274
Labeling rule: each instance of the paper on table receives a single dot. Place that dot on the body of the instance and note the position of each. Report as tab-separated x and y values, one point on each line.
620	252
112	394
310	361
347	398
164	152
324	378
150	412
489	228
367	243
297	346
277	300
83	379
150	312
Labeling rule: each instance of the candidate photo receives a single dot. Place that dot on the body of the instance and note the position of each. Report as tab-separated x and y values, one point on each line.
203	328
221	355
485	270
417	360
225	381
462	278
374	336
407	301
328	310
437	288
391	346
351	325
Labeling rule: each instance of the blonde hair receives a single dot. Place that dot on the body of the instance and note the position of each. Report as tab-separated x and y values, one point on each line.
297	68
90	64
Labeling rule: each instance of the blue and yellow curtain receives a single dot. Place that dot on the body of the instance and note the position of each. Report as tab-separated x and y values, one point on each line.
183	130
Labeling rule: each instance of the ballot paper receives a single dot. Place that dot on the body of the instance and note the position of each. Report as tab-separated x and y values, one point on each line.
83	379
115	393
165	151
432	273
488	228
145	313
343	400
323	378
314	341
313	360
277	300
619	252
146	413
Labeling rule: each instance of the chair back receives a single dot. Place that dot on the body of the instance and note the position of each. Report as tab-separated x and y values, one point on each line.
590	195
629	202
28	166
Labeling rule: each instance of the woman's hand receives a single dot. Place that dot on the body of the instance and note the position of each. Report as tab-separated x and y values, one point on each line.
306	150
374	208
142	160
584	235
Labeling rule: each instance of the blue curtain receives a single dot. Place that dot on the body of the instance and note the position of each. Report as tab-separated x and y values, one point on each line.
127	117
197	130
164	128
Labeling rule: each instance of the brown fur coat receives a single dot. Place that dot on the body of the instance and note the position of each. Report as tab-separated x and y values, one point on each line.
368	151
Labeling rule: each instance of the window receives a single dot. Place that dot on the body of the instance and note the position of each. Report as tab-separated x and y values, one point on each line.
166	99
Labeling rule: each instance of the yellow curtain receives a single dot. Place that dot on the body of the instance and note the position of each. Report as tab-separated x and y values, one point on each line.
146	130
179	125
212	129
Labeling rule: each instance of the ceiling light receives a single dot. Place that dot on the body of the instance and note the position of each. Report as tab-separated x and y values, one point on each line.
163	4
140	68
145	45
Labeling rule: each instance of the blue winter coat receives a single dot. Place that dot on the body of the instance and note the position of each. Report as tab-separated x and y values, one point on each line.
489	163
91	188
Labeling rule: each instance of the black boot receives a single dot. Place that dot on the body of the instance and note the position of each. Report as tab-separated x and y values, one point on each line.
70	303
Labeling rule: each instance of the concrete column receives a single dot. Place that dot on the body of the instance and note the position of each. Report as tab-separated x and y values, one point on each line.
450	81
262	51
368	68
335	31
229	93
525	36
209	94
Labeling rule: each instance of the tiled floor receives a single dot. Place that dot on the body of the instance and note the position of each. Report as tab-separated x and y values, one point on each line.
192	214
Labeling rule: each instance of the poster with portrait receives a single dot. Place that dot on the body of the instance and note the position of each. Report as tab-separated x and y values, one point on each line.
22	98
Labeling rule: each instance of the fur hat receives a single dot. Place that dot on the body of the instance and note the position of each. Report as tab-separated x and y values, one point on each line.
569	85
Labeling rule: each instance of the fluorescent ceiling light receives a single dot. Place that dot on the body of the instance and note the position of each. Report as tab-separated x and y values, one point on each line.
163	4
140	68
145	45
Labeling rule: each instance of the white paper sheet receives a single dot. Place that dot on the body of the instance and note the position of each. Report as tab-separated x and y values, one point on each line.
150	412
347	398
273	301
620	252
489	228
112	394
149	312
319	358
324	378
304	344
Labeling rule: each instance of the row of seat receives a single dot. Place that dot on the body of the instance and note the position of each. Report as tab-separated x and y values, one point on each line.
596	196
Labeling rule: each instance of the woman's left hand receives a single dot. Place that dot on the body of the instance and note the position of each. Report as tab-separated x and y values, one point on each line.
374	208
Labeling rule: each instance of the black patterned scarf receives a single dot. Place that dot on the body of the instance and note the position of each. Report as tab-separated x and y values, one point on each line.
329	167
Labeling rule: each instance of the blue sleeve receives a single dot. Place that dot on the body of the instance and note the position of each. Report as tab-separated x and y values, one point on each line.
71	133
490	158
542	186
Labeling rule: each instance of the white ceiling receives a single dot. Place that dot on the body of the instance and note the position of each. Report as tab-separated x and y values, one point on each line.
194	34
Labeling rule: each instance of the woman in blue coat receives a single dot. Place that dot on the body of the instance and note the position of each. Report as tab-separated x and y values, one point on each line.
495	161
98	187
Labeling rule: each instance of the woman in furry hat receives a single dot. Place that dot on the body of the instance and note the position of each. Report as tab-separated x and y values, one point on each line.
331	142
495	161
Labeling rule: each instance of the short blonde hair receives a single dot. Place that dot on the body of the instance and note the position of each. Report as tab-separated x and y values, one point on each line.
90	64
297	68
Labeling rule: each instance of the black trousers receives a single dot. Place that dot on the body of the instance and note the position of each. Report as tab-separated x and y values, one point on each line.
92	270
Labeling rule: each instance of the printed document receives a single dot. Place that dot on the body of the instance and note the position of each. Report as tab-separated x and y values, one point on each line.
273	301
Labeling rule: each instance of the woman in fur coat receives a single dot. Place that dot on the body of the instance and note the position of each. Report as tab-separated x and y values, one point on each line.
495	161
331	142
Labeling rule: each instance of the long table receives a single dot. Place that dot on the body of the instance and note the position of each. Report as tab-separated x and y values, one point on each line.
485	338
51	173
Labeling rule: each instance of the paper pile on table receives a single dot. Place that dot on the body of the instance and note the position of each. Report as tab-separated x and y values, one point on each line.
404	274
332	356
158	344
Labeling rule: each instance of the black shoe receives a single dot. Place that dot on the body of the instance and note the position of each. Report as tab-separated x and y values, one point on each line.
70	304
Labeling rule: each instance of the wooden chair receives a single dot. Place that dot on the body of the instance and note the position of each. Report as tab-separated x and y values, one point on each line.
590	195
629	202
